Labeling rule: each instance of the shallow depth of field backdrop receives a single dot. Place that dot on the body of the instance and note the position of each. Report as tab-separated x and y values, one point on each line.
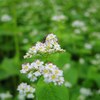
77	26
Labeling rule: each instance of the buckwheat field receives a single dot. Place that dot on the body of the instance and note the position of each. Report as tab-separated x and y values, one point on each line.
49	49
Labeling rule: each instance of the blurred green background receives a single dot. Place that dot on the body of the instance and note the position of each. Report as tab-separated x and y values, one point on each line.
77	26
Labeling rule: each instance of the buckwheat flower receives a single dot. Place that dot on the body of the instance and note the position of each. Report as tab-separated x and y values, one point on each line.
67	66
50	66
36	64
40	47
4	96
68	84
88	46
25	68
77	31
49	46
26	90
85	91
21	97
25	40
30	96
60	81
81	97
51	73
78	23
81	61
5	18
37	73
58	17
31	51
98	91
51	37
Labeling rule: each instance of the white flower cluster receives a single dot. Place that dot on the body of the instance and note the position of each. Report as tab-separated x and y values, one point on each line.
79	26
58	17
85	91
50	72
4	96
51	45
26	90
6	18
88	46
68	84
78	23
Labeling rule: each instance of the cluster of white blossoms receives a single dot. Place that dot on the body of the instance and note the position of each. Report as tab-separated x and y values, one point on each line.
50	72
58	17
26	90
5	96
79	26
6	18
50	45
85	91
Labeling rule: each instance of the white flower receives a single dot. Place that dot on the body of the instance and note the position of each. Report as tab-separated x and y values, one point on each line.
58	17
5	18
67	66
68	84
40	47
51	73
85	91
26	90
21	97
6	95
98	91
49	46
30	96
77	31
51	37
82	61
88	46
25	68
37	73
78	23
82	97
25	40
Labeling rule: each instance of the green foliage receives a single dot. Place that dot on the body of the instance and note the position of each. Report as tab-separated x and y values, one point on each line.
50	92
31	21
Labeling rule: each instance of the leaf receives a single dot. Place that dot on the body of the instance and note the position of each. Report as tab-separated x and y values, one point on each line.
51	92
71	75
8	67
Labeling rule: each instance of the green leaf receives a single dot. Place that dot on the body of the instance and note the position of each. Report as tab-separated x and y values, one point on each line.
8	68
51	92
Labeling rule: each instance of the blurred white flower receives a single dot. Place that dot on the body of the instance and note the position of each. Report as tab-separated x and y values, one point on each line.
26	90
4	96
82	97
6	18
85	91
67	66
58	17
81	61
68	84
86	14
88	46
78	23
98	91
25	40
97	56
77	31
21	97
